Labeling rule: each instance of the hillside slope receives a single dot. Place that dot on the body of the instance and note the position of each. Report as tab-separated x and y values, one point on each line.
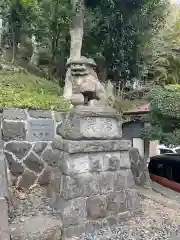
24	90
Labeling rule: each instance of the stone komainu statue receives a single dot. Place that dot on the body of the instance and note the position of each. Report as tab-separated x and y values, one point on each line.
82	86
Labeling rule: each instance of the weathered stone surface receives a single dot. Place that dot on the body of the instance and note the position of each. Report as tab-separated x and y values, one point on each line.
123	179
105	182
14	131
37	228
79	128
93	225
12	179
27	179
79	186
75	164
4	228
112	220
132	200
73	231
122	216
55	181
34	163
71	146
95	111
74	212
96	207
125	160
60	116
39	147
45	176
78	163
111	162
16	168
40	130
20	149
3	177
52	157
116	201
14	114
95	162
40	114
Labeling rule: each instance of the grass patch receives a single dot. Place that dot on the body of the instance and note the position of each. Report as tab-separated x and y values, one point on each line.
20	90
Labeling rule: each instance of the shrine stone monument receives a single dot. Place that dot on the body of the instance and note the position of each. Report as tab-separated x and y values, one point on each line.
96	185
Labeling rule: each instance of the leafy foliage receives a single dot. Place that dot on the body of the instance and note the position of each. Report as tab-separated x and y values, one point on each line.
116	32
162	52
164	117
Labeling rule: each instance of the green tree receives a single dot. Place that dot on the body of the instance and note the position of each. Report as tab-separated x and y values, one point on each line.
164	118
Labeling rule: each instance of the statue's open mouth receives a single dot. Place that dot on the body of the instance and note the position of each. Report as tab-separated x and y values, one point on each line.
88	96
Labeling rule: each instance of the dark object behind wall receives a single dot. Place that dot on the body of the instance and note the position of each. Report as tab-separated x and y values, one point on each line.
132	129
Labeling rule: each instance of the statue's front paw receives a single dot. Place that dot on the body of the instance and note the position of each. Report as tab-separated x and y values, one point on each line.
77	99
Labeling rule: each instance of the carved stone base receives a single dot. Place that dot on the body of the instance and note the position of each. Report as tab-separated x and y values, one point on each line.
91	123
96	188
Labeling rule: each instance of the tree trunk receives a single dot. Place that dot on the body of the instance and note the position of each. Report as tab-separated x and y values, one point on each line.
76	34
14	45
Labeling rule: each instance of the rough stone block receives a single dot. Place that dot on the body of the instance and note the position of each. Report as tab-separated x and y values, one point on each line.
55	181
111	161
33	162
20	149
75	163
112	220
27	179
74	211
4	228
132	200
77	127
123	216
44	177
96	162
40	130
93	225
14	131
14	114
125	160
39	147
73	231
105	182
116	202
123	179
60	116
52	157
79	186
16	168
40	114
3	177
85	146
96	207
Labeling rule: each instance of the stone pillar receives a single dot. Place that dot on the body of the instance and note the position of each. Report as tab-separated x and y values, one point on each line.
96	188
4	229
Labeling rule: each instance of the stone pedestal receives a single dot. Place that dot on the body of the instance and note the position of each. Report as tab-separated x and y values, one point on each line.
96	188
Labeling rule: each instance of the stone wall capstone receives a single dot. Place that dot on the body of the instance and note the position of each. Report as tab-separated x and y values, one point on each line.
27	136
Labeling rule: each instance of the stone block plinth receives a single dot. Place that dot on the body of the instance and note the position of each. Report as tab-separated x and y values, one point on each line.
96	187
91	123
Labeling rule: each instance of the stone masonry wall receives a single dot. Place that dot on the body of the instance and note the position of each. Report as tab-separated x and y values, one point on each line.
4	231
27	136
